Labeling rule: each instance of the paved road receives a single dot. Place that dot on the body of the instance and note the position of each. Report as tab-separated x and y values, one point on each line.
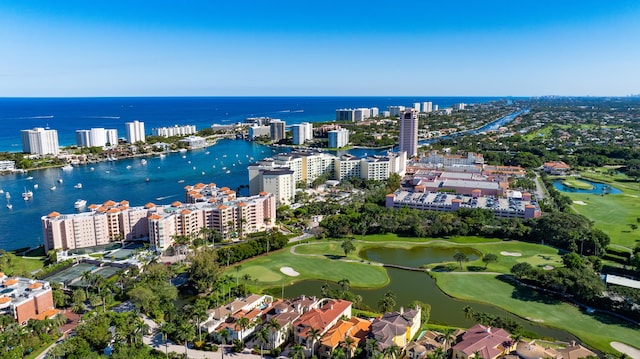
541	190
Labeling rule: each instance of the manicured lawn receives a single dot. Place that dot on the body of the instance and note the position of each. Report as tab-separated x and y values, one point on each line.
613	214
26	265
454	239
535	254
575	183
534	306
266	269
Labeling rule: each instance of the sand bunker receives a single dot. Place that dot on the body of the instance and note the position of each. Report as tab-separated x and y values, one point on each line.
289	271
627	349
580	203
547	267
511	254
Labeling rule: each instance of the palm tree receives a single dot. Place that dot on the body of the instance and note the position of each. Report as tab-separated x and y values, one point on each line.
371	346
238	267
86	278
391	351
199	312
165	329
447	335
243	323
468	312
140	328
262	336
477	355
348	345
338	353
224	335
297	351
185	332
274	328
314	335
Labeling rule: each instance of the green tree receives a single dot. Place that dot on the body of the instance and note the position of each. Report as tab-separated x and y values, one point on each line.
262	336
387	302
489	258
347	246
521	270
314	334
460	257
204	270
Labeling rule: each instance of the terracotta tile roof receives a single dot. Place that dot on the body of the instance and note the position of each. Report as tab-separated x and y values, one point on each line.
320	318
9	282
155	216
93	206
109	203
185	211
46	314
4	300
176	204
222	207
490	342
263	193
53	214
113	210
149	205
35	285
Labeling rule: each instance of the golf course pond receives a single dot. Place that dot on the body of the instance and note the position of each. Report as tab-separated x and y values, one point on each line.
409	286
596	188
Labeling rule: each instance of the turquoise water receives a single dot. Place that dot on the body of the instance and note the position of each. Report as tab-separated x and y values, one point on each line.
598	188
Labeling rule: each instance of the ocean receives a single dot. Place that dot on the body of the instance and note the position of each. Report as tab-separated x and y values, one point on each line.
126	179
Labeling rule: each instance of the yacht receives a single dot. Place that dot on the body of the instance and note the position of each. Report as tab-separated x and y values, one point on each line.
162	155
26	195
59	180
7	196
81	203
181	181
228	171
53	188
78	185
143	161
67	167
9	205
35	186
30	178
182	150
1	191
128	167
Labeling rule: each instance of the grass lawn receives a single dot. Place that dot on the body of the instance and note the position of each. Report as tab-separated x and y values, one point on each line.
26	265
576	183
613	214
527	304
535	254
266	269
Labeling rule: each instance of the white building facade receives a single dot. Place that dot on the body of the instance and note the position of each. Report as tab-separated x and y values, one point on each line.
302	133
338	138
40	141
135	131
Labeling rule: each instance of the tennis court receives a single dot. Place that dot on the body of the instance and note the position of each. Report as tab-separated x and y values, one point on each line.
107	272
121	254
66	276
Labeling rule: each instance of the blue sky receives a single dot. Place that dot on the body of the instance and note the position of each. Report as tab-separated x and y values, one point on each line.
332	48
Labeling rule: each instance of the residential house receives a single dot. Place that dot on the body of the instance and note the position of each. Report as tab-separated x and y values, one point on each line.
556	168
281	315
321	318
217	316
396	328
489	342
355	329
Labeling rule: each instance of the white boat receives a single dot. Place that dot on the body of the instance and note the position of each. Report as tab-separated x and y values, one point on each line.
181	181
129	167
30	178
194	168
81	203
67	167
203	173
184	156
26	195
59	180
1	191
143	162
162	155
206	153
228	171
7	195
92	169
9	205
35	186
78	185
53	188
182	150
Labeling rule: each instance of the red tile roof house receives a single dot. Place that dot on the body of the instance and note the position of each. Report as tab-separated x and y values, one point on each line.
556	167
489	342
285	313
322	319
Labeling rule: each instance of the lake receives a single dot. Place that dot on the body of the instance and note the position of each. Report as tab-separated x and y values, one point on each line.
598	188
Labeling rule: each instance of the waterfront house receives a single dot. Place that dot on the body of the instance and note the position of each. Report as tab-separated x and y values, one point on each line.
396	328
489	342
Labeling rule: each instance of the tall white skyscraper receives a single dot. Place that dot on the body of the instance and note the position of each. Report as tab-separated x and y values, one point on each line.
302	132
338	138
97	137
395	110
427	106
135	131
408	140
40	141
416	106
